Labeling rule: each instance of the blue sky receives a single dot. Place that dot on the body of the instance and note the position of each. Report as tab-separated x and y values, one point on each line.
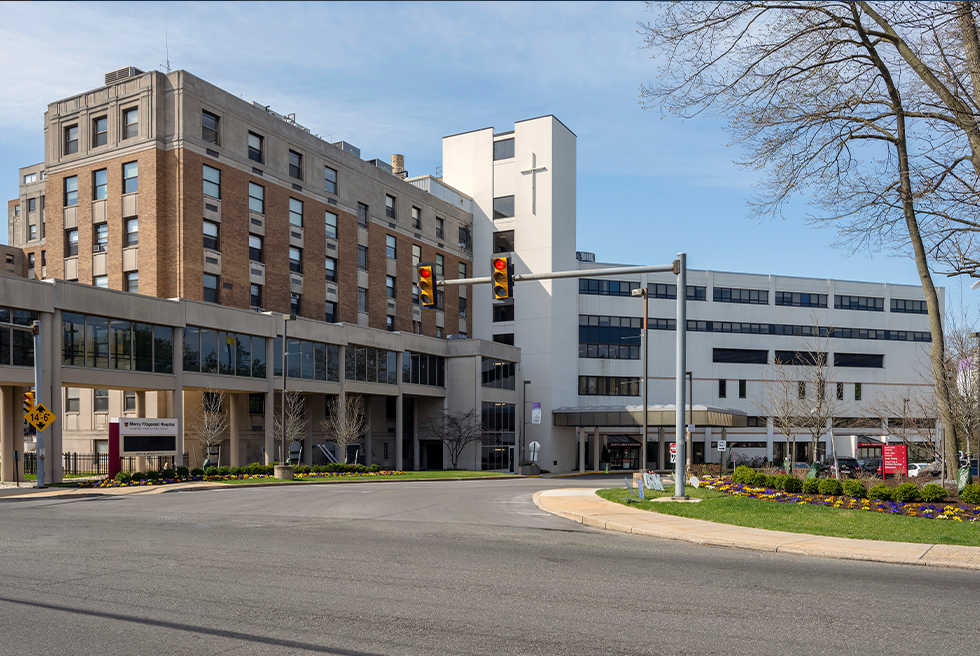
398	77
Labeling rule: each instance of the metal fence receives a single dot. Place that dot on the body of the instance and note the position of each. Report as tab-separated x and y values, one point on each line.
97	464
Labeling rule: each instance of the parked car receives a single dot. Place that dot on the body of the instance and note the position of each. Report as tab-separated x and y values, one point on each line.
916	467
872	465
848	466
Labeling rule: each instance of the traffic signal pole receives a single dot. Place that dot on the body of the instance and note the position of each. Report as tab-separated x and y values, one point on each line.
38	399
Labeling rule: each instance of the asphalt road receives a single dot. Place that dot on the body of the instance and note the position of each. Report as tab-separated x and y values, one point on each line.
434	568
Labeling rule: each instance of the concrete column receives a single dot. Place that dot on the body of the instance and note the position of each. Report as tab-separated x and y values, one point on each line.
416	456
270	401
52	449
308	443
399	416
141	412
234	459
580	432
596	449
709	456
367	435
177	398
7	433
52	360
342	399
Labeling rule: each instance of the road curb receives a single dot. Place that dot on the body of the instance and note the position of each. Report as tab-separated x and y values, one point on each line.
592	510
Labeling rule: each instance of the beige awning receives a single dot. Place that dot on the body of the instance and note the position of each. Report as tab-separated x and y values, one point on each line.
657	415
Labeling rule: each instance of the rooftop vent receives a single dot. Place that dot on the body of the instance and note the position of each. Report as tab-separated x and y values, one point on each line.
349	148
381	164
121	74
584	256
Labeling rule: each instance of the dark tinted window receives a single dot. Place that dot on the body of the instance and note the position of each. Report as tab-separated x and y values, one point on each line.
503	149
503	207
740	356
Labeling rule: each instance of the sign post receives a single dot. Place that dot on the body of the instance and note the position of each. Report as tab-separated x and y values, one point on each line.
140	437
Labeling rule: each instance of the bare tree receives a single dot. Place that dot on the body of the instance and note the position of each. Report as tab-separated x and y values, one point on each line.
910	417
291	421
455	430
780	401
870	109
344	425
820	406
210	423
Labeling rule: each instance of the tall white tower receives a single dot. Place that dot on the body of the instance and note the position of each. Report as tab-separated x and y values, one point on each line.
523	187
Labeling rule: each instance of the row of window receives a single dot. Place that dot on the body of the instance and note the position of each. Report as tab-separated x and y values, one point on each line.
100	131
218	352
499	374
103	343
307	360
17	346
694	325
100	183
761	356
424	369
370	365
608	386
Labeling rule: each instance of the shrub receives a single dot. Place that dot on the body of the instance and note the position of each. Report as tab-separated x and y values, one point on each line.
211	471
137	476
197	471
183	471
152	475
792	484
375	468
741	472
971	494
905	492
811	486
830	487
303	469
880	492
123	477
931	493
855	489
168	473
236	471
223	471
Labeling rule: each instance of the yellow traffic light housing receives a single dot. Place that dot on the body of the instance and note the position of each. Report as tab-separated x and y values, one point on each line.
427	284
28	402
502	273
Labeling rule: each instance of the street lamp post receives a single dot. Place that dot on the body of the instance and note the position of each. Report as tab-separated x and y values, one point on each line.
646	355
520	456
690	418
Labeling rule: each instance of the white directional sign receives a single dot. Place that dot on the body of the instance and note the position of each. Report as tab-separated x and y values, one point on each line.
722	445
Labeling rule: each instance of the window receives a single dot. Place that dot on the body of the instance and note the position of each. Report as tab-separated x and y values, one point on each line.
868	303
751	296
330	180
464	238
362	258
504	312
101	238
415	294
100	182
132	282
362	215
212	182
503	242
30	260
30	178
72	399
416	218
295	303
131	126
330	222
390	286
256	198
129	401
295	165
132	232
503	207
742	385
255	296
857	391
440	225
440	264
722	389
211	235
71	242
603	287
390	208
866	360
295	259
801	358
130	177
462	307
390	246
209	127
31	205
416	254
331	269
71	139
608	386
100	131
840	391
439	332
331	313
101	281
16	210
462	270
210	288
909	307
362	304
256	404
390	325
296	212
44	258
503	149
796	299
801	389
71	191
740	356
32	232
255	147
506	338
255	248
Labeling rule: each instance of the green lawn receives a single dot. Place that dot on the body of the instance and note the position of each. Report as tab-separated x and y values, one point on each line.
405	476
814	520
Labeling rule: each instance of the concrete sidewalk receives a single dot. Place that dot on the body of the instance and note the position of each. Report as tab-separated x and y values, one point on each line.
584	506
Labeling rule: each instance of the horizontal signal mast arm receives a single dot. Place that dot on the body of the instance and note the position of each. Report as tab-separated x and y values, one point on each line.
582	273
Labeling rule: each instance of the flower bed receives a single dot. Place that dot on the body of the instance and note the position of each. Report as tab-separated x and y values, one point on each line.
167	481
950	511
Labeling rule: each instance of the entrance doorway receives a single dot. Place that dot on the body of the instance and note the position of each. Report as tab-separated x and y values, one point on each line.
498	458
431	455
624	452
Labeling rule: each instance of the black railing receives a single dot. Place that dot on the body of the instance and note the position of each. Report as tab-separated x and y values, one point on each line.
95	464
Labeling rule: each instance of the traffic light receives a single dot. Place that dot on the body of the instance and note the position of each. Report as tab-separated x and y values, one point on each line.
28	402
503	277
427	284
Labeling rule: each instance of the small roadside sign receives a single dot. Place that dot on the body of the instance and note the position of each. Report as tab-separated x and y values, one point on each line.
673	451
722	445
40	417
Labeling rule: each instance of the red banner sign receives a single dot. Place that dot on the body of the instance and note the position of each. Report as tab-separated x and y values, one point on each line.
895	459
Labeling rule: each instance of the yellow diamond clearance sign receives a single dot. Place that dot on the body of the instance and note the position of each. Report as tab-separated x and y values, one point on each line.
40	418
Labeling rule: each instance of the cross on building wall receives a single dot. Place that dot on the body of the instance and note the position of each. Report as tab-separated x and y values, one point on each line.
533	171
